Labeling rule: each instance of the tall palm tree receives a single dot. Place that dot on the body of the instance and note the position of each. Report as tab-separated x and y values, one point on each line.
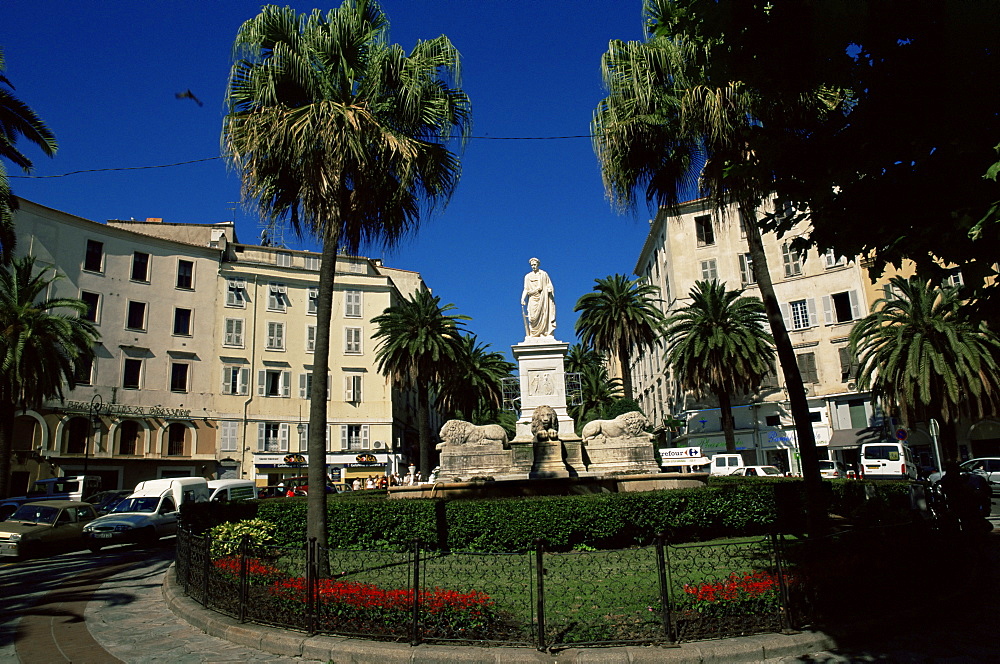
579	357
597	393
343	135
17	120
618	315
43	343
674	122
718	343
475	389
420	347
923	356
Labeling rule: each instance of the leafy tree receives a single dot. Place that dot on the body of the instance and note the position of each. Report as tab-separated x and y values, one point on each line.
17	120
475	390
676	119
618	315
923	357
420	347
344	135
43	344
717	343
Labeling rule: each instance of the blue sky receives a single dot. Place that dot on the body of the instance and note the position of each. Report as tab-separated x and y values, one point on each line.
103	75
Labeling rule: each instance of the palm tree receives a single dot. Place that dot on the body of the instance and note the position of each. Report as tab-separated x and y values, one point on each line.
16	120
344	135
420	347
597	393
718	343
923	356
43	343
580	357
620	314
475	390
673	122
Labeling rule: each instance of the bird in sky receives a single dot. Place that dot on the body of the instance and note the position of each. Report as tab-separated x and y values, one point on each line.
187	94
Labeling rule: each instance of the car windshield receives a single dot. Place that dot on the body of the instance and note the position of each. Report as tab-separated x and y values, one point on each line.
147	505
35	514
769	470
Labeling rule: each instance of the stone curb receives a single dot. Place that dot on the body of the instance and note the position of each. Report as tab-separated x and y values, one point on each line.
350	650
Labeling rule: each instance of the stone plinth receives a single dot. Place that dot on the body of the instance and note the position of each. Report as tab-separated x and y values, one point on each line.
621	455
549	460
542	371
471	460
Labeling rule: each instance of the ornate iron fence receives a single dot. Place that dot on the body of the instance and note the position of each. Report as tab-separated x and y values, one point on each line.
656	594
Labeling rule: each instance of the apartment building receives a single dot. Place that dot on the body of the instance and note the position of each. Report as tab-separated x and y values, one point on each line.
204	362
820	296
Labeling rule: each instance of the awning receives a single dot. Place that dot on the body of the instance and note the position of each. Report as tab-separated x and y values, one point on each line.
846	438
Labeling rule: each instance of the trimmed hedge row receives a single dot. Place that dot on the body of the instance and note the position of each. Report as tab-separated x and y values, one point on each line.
728	507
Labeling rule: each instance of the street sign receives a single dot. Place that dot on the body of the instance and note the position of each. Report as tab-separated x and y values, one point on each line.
901	434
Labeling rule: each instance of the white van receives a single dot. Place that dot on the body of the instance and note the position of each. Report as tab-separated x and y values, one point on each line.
887	460
726	464
224	491
148	514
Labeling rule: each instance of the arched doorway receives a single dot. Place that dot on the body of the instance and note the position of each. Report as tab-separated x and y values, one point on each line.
176	439
128	438
76	435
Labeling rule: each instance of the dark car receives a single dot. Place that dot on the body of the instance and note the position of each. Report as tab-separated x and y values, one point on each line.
105	501
45	524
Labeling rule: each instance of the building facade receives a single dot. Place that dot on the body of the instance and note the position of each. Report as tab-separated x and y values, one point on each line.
204	362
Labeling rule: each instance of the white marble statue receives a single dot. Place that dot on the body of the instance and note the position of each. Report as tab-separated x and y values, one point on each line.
538	294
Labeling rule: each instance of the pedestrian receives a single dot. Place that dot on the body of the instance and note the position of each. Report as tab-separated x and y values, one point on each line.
356	484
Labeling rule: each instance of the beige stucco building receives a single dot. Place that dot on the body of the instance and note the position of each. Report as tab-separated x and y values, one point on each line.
205	356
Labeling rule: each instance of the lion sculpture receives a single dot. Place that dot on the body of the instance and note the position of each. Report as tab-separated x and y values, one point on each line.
626	425
545	423
460	432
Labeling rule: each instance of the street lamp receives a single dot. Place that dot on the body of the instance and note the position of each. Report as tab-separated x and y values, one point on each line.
95	429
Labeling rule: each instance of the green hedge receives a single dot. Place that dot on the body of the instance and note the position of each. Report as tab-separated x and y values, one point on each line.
727	507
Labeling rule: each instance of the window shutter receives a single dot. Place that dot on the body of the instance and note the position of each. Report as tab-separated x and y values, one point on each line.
226	372
855	305
811	308
343	437
261	382
286	383
261	437
349	389
329	381
283	437
244	380
304	437
303	390
329	439
828	310
786	313
364	437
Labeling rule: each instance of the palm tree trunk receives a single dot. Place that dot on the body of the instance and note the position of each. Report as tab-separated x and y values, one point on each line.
423	427
623	363
728	424
316	500
815	511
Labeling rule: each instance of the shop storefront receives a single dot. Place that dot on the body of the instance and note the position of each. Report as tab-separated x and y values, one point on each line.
271	469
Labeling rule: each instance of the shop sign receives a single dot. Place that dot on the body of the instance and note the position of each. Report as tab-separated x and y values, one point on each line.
126	409
778	437
681	453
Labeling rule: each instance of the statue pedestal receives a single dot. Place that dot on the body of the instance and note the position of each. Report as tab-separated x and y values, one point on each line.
541	367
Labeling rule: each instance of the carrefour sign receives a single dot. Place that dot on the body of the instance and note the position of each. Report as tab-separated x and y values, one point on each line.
681	453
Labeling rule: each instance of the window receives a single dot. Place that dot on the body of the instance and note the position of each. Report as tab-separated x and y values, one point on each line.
140	266
831	259
182	322
175	439
783	210
891	293
185	274
953	279
312	262
799	314
746	270
858	413
354	436
772	420
235	380
352	388
841	307
791	259
234	332
310	338
93	302
179	376
93	261
277	299
131	373
312	305
229	431
275	336
272	437
79	429
236	293
136	316
352	304
128	437
305	385
708	270
283	259
84	369
704	230
273	383
807	367
355	267
352	340
848	364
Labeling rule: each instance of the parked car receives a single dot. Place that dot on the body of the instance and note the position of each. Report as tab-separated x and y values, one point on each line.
832	470
757	471
105	501
888	460
45	524
74	487
988	467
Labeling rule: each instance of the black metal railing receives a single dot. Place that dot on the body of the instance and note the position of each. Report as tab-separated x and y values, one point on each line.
663	593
